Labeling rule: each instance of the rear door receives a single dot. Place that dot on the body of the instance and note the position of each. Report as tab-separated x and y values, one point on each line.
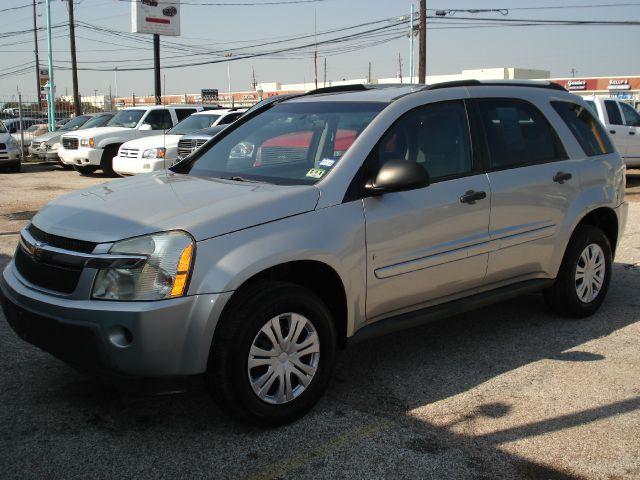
632	122
533	183
426	245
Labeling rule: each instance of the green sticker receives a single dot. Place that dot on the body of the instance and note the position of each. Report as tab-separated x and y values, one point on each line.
315	173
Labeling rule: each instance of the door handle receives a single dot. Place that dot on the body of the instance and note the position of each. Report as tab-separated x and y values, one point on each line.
562	177
612	131
471	196
632	133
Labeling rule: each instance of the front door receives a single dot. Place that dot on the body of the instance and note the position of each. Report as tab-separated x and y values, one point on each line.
632	122
426	245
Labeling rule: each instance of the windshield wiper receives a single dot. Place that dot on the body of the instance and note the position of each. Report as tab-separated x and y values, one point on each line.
236	178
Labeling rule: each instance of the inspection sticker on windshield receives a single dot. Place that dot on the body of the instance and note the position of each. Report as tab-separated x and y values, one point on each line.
315	173
327	162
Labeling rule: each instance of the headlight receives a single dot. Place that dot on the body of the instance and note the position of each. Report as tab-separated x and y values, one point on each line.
15	142
87	142
154	153
55	146
242	150
164	274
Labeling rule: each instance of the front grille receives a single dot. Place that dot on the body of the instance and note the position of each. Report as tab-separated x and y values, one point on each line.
129	152
61	242
274	155
70	143
3	146
185	147
52	277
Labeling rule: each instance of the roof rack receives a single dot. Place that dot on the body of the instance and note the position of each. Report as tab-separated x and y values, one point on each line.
495	83
354	87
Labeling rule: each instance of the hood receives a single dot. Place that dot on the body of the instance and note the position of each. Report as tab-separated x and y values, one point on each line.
98	132
50	137
159	201
155	141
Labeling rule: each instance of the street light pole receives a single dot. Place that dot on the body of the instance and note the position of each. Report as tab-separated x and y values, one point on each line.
229	55
51	117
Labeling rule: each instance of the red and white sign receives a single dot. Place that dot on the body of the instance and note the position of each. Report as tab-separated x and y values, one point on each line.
617	84
576	85
159	17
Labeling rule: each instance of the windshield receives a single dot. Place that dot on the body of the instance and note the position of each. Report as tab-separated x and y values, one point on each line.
3	129
288	144
126	118
193	123
98	121
74	124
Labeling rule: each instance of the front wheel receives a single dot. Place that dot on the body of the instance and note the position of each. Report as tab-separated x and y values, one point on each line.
273	353
584	276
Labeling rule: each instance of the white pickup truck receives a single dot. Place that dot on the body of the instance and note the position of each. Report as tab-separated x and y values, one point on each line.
94	148
623	124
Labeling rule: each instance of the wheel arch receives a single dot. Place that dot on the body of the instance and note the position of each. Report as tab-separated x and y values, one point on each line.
314	275
606	220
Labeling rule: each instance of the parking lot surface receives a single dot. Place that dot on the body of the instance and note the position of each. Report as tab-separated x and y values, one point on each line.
509	391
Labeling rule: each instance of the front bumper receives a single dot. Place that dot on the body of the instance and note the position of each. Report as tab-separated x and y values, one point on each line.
9	156
133	166
140	339
82	156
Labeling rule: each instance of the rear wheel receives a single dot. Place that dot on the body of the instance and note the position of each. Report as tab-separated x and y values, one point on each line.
273	353
16	167
85	170
584	276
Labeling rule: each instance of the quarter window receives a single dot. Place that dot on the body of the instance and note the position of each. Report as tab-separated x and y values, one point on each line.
517	134
613	112
435	136
182	113
587	130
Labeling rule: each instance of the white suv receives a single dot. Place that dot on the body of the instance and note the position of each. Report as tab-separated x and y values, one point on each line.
94	148
160	151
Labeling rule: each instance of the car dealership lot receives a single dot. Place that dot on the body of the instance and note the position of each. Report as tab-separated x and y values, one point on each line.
509	391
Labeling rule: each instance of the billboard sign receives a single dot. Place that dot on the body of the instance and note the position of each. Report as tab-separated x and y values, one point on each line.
160	17
209	95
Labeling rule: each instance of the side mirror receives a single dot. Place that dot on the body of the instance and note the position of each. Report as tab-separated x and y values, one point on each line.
144	128
398	176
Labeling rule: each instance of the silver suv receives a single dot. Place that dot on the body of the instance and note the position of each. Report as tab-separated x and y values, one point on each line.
320	220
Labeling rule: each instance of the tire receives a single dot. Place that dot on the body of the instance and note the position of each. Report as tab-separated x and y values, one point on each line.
85	170
235	386
106	163
15	168
580	288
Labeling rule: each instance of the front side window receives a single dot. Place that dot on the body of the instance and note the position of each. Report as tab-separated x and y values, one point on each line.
126	118
158	119
613	112
229	118
631	116
517	134
290	143
435	136
587	130
98	121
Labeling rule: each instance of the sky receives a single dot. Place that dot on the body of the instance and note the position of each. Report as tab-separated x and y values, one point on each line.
104	41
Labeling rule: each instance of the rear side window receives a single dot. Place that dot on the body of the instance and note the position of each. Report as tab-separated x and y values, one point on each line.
517	134
613	112
631	116
587	130
229	118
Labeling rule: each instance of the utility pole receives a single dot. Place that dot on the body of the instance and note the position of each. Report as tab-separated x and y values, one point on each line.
324	83
254	83
422	51
156	67
369	74
411	46
400	67
77	108
35	40
51	111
